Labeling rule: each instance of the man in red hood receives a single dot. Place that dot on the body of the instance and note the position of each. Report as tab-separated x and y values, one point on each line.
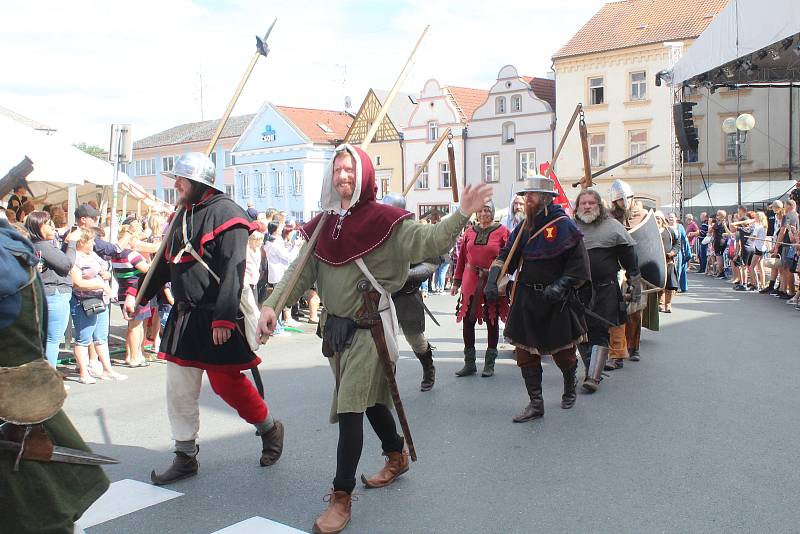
362	239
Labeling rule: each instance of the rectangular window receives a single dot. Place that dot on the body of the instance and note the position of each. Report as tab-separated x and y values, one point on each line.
508	133
596	91
730	147
491	168
638	85
145	167
427	211
263	186
279	184
422	181
516	103
298	216
690	155
384	189
169	196
638	143
297	182
597	149
444	175
527	164
244	191
500	104
433	131
377	161
153	193
227	158
168	163
229	190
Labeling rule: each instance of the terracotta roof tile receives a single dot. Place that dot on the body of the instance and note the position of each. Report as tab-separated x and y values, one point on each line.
467	100
637	22
543	88
309	121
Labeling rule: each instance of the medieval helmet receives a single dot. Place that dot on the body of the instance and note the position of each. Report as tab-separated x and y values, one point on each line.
538	184
621	190
196	167
395	199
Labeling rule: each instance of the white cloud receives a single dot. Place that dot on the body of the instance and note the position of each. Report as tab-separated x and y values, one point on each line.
80	66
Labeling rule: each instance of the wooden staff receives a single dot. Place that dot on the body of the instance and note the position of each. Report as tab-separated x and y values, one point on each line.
261	50
439	142
586	183
451	162
547	173
308	249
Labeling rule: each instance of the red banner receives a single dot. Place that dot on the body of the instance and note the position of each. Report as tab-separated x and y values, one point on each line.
562	197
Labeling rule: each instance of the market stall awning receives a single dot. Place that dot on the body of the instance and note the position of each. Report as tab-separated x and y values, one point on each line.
724	195
722	53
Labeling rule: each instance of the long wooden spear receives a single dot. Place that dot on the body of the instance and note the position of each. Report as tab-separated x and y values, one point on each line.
261	50
308	248
422	167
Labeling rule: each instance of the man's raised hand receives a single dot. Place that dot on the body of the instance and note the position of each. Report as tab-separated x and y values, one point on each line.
474	198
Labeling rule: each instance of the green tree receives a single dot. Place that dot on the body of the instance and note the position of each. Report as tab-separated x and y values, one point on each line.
92	150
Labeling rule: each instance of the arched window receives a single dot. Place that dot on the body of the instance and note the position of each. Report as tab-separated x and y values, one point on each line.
500	104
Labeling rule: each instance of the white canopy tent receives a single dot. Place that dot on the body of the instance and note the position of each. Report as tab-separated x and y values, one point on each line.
742	28
724	194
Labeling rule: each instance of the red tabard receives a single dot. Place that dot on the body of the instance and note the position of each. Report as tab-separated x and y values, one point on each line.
473	257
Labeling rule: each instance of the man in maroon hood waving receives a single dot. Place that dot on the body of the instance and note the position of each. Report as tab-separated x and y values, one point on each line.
362	239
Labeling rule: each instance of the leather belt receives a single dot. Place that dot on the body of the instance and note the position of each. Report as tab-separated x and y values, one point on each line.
480	271
535	287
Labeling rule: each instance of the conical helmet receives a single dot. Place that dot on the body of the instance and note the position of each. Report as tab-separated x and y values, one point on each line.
621	190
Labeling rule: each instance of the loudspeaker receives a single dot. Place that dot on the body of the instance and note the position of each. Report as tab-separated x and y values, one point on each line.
685	131
121	142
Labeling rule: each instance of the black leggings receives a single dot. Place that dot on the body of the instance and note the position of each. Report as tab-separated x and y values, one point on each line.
493	329
351	441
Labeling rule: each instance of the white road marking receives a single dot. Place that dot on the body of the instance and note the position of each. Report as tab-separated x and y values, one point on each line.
122	498
258	525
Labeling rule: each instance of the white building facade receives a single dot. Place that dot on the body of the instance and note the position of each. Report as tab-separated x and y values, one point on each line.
509	135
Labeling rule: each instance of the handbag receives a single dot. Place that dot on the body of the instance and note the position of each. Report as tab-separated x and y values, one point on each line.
93	306
247	301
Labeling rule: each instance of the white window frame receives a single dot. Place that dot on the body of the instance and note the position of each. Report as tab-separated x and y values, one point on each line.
167	163
244	178
592	94
145	167
509	133
169	195
228	159
444	175
597	151
638	87
422	181
730	147
491	168
634	147
280	186
384	187
297	183
500	105
263	184
230	190
525	163
516	103
433	131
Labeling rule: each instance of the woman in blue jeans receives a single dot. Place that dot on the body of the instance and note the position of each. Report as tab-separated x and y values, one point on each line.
90	287
55	267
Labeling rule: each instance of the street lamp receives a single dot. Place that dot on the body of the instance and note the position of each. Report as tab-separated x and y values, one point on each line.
739	126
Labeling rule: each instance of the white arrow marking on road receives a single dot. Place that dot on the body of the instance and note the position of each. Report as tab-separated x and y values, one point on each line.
258	525
122	498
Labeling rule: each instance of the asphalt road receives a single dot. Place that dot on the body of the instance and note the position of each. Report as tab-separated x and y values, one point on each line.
700	436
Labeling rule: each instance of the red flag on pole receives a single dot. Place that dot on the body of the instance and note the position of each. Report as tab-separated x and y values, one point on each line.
562	197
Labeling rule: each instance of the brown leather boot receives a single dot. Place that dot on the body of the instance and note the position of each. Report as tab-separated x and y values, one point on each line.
336	517
397	463
183	466
428	370
272	445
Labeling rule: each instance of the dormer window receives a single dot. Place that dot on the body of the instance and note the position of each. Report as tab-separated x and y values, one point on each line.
516	103
325	128
433	131
500	104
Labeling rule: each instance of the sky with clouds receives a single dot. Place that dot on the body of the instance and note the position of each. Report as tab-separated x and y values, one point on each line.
80	66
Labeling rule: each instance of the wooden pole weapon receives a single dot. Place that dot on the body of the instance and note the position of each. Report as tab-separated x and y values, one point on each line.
422	167
261	50
451	163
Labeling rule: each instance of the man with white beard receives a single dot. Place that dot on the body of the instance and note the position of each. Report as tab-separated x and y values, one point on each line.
609	246
516	213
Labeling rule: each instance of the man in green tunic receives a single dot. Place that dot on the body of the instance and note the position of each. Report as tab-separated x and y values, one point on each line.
362	240
41	497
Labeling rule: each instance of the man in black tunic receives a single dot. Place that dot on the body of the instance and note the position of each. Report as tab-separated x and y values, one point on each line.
411	309
204	332
550	264
609	245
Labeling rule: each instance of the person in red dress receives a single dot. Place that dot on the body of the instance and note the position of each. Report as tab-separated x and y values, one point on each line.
481	244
